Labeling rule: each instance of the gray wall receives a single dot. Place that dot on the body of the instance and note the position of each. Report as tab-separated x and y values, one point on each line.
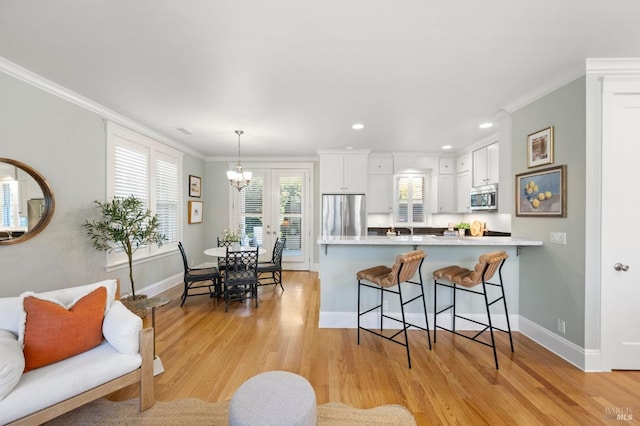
66	144
552	278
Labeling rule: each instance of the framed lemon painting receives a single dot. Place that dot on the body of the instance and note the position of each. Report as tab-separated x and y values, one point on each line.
542	193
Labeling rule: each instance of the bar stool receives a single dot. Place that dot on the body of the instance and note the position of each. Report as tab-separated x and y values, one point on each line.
454	276
381	278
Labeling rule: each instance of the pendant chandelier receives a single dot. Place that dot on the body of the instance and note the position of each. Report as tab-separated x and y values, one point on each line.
239	178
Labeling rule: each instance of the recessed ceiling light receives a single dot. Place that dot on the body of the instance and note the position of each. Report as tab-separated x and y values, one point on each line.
348	147
486	125
446	146
358	126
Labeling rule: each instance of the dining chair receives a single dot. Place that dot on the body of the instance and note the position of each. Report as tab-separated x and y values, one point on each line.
270	273
240	276
221	260
198	278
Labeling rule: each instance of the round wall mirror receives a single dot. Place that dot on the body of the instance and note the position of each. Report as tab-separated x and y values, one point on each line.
26	202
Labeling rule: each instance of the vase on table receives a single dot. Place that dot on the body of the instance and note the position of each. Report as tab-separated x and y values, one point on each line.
235	246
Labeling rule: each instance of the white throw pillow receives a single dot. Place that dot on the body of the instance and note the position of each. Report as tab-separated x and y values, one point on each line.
11	362
121	328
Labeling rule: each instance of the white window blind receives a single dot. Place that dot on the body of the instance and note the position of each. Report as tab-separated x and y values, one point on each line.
151	171
131	173
410	199
252	210
167	197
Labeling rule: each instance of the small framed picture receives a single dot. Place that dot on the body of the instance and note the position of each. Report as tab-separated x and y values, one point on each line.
195	186
540	147
195	211
542	193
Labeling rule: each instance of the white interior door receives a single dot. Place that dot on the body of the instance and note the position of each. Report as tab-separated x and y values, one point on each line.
620	255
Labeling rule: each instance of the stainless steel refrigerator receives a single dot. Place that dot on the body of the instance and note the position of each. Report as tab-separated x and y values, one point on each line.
344	215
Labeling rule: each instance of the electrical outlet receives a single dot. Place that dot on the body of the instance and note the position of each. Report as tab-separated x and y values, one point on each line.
561	327
558	238
385	306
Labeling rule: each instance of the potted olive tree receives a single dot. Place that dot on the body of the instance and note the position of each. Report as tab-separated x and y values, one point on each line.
125	224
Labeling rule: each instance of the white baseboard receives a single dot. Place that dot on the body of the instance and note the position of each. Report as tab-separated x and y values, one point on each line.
569	351
157	288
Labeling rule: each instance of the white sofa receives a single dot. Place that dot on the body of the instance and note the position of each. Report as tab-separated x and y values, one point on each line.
124	357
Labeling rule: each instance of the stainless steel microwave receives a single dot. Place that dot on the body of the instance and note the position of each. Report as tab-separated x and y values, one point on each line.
485	198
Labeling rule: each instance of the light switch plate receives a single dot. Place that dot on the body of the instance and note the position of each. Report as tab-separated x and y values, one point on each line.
558	237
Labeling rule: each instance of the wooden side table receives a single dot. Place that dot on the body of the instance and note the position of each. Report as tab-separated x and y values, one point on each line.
153	303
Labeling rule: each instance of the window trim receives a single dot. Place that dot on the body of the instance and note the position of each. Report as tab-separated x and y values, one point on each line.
425	199
117	135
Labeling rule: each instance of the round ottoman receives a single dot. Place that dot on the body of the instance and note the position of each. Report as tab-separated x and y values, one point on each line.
274	398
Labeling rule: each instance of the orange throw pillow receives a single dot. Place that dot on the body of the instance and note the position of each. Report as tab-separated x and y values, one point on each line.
53	333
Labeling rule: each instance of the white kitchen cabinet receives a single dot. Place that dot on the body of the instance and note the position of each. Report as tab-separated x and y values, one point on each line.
445	194
446	165
485	165
380	164
463	192
343	173
380	194
463	163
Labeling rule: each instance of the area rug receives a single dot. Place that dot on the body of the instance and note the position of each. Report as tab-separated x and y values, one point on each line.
192	412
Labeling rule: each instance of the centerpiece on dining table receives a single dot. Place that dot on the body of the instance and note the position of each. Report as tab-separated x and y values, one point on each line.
233	237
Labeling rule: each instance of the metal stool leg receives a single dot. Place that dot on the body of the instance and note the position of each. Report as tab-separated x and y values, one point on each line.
359	285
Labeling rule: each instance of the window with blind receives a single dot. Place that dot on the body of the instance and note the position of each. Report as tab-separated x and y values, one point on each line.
410	199
252	211
151	171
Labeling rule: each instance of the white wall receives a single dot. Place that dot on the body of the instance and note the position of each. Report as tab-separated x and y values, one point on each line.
66	144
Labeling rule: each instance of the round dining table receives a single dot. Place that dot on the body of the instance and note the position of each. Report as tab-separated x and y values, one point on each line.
222	251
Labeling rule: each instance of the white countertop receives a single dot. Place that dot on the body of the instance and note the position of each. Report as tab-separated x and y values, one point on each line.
428	240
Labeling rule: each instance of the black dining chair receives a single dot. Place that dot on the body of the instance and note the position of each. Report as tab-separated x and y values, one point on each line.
198	278
270	273
221	260
240	276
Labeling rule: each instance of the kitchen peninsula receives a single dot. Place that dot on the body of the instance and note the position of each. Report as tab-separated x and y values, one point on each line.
342	257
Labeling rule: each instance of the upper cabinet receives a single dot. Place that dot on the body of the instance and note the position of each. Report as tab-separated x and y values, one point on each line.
485	165
463	163
343	172
380	193
446	165
445	194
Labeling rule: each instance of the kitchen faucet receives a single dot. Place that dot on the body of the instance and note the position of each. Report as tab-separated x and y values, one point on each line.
410	230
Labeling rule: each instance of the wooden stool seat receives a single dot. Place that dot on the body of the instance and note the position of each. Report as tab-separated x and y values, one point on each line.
382	278
455	276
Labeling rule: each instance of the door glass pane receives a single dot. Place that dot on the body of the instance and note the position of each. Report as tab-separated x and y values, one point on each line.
252	212
290	215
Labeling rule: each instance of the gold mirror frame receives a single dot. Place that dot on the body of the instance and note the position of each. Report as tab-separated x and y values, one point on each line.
49	202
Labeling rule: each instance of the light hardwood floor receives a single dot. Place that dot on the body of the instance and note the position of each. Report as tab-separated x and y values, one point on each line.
208	354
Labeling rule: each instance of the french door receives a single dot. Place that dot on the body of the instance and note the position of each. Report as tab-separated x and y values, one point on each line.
276	205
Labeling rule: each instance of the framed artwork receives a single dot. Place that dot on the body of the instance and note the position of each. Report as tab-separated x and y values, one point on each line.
540	147
542	193
195	211
195	186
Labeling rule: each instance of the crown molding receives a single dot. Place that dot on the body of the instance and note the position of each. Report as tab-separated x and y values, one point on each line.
541	91
29	77
617	66
244	159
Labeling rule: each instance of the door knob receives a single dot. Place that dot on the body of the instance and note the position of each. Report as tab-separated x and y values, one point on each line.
621	267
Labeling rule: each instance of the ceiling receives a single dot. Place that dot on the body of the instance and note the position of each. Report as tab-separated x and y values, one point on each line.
295	75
